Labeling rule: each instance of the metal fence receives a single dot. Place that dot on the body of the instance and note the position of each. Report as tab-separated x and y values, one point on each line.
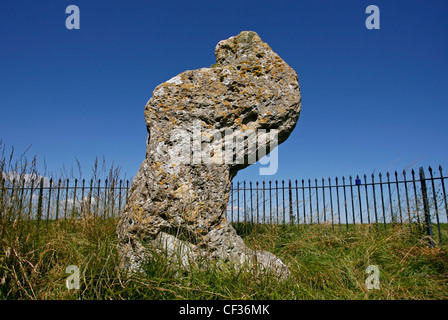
44	199
381	200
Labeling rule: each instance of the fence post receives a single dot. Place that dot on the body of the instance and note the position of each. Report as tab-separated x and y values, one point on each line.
258	211
112	190
39	208
127	190
303	202
251	204
311	202
238	201
428	225
276	200
435	204
66	198
297	203
49	201
21	199
399	200
57	200
97	211
105	199
337	200
358	182
12	197
415	196
382	200
291	215
374	200
367	200
331	204
283	198
323	200
264	202
407	198
270	202
444	192
30	205
345	202
353	204
90	196
244	202
74	199
119	197
392	216
317	202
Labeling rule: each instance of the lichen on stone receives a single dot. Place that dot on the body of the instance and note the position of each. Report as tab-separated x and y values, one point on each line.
248	88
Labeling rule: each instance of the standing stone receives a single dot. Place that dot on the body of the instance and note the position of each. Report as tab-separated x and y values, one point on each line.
178	199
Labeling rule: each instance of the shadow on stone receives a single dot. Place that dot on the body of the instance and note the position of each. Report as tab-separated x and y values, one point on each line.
203	127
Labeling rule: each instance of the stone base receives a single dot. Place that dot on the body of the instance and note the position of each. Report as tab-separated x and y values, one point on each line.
182	254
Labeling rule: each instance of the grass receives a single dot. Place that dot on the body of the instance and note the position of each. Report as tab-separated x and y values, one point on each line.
324	264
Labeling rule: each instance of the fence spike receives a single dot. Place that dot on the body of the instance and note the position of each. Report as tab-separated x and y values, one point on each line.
427	212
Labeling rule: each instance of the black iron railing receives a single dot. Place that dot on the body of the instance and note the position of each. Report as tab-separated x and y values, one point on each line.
406	199
397	199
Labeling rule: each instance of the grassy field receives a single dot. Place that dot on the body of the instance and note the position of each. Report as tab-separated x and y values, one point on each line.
325	264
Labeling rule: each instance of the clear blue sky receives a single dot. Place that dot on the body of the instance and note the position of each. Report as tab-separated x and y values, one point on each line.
372	100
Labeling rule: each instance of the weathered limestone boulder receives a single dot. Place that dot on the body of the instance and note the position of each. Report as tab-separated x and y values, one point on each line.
178	199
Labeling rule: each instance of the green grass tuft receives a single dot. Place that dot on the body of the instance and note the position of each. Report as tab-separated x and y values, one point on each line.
324	263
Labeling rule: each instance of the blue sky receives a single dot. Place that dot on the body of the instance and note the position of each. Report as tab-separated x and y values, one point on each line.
372	100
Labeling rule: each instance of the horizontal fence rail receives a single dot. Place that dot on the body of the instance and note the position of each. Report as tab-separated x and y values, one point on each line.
408	198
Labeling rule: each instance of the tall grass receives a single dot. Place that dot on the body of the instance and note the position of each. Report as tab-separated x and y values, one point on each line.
324	263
